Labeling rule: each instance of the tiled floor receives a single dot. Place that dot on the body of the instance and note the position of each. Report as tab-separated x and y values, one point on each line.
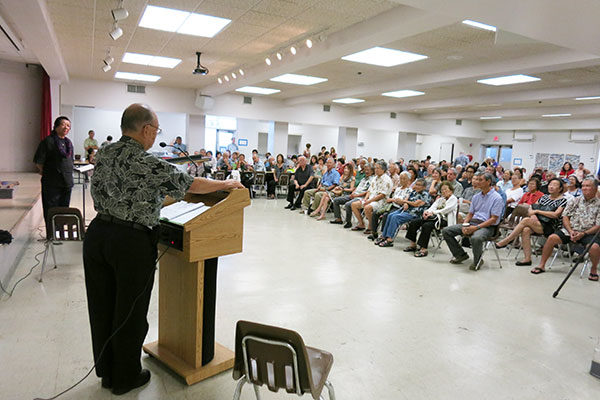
398	327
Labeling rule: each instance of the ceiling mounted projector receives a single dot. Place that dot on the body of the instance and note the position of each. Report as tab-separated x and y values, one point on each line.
200	69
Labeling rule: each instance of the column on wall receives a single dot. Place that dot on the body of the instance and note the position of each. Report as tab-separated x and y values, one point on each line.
407	146
278	137
196	134
347	141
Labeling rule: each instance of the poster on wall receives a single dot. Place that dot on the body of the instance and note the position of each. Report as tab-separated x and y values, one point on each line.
541	160
573	159
556	161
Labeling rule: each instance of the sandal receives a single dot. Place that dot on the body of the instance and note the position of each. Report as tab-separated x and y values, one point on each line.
379	241
421	253
410	249
358	228
386	243
537	271
593	277
368	232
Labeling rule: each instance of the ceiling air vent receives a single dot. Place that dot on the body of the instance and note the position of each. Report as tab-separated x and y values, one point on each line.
136	89
326	108
247	100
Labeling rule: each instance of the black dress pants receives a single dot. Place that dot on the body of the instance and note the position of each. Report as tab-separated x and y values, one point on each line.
119	264
292	192
427	226
270	184
54	196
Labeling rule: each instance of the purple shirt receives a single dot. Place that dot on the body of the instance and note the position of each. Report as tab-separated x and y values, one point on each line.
484	206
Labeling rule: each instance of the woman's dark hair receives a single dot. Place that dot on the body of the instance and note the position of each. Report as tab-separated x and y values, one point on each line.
308	145
413	170
577	183
313	157
321	159
350	168
560	183
565	164
109	138
59	121
282	158
537	182
447	184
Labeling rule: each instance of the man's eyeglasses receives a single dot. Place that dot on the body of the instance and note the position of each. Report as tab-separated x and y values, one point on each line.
158	130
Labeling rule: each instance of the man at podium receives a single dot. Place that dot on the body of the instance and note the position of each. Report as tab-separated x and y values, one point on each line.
129	186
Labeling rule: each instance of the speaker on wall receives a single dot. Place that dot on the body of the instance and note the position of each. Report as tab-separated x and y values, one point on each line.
204	102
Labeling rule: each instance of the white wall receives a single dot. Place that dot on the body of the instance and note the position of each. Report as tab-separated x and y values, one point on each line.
430	145
377	144
316	135
107	122
20	113
248	129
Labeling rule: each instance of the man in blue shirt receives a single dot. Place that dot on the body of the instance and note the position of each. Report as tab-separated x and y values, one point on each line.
178	146
329	181
480	223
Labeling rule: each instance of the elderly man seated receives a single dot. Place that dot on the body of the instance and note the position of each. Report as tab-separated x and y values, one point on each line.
381	187
451	177
581	220
480	223
359	192
413	207
329	180
301	180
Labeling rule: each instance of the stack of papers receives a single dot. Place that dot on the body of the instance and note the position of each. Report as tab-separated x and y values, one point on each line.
182	212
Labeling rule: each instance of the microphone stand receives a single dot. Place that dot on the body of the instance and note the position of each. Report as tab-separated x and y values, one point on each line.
578	260
185	153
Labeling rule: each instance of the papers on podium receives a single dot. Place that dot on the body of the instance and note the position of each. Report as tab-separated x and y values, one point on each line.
84	168
182	212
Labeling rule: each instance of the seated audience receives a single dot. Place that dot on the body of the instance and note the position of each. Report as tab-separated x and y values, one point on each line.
439	215
360	190
330	179
344	187
544	219
278	168
505	183
224	164
394	173
548	176
533	193
480	223
467	176
392	204
301	181
580	172
413	207
451	176
380	188
573	187
581	220
566	170
434	182
513	195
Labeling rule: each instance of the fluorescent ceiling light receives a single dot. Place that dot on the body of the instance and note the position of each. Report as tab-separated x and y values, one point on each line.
298	79
130	76
348	100
146	59
508	80
490	117
383	57
588	98
403	93
257	90
184	22
556	115
479	25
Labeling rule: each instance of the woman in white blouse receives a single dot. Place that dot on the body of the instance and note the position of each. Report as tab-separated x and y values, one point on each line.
441	213
513	195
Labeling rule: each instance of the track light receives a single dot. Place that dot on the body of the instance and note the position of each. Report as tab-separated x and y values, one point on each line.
309	43
233	75
116	33
268	61
106	68
241	72
293	50
278	55
219	80
108	60
120	13
226	78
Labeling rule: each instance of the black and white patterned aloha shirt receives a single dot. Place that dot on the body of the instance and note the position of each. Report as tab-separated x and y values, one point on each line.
131	184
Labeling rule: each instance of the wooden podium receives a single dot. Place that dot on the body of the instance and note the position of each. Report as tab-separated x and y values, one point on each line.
187	286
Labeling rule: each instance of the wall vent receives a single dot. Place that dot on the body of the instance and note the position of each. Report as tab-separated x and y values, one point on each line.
247	100
136	89
326	108
393	115
459	122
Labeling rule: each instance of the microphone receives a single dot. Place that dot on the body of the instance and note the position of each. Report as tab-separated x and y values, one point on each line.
163	144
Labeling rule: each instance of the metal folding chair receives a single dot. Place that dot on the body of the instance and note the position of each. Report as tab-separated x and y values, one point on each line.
67	226
283	183
259	181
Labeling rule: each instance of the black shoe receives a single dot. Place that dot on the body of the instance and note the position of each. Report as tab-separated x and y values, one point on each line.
459	259
347	225
335	221
293	208
521	263
289	206
107	383
309	211
140	380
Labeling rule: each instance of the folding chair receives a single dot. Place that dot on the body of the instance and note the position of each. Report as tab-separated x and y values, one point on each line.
220	175
259	181
491	242
521	211
283	183
67	225
278	358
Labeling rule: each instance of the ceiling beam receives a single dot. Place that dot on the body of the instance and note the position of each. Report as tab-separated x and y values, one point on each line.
31	21
572	24
398	23
536	112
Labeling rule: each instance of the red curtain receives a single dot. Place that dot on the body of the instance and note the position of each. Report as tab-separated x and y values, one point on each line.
46	125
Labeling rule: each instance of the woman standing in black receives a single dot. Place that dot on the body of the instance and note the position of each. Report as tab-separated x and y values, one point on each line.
54	161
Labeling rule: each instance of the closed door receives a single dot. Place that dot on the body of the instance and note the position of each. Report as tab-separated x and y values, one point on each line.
446	151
